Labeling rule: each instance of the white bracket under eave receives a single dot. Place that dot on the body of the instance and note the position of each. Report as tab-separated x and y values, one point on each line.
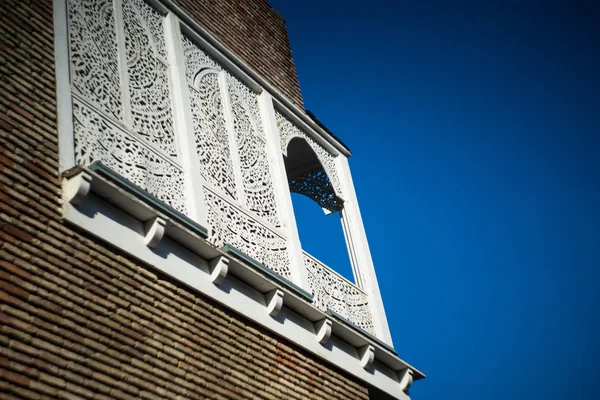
406	379
367	355
155	230
323	328
77	188
274	302
218	269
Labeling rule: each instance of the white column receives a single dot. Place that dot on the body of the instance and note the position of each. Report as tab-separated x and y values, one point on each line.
360	254
182	119
64	105
233	147
283	197
123	73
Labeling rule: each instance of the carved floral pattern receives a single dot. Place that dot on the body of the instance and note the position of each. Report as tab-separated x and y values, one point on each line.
153	21
148	75
210	129
212	140
256	176
96	139
331	291
94	58
196	60
234	227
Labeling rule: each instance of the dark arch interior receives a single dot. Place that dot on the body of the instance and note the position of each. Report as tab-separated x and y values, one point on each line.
307	176
300	158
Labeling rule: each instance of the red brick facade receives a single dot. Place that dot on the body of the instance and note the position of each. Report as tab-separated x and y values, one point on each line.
81	320
254	31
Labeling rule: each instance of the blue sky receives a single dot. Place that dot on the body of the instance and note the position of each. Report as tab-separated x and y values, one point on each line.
475	129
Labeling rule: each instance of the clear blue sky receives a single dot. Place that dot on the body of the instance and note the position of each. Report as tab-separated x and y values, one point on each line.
475	129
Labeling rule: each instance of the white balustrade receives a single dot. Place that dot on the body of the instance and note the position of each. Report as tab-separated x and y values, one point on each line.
334	292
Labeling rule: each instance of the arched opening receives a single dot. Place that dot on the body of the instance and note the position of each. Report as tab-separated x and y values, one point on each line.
321	232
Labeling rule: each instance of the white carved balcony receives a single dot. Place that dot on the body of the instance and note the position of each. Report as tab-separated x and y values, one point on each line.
193	152
176	123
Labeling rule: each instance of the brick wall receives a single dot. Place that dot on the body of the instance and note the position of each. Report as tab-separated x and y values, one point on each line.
254	31
81	320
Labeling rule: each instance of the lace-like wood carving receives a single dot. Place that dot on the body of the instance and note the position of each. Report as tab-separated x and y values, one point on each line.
210	131
148	79
258	186
94	56
232	226
143	149
97	139
336	293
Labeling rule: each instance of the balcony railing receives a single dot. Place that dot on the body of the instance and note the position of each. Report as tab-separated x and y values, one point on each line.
334	292
251	235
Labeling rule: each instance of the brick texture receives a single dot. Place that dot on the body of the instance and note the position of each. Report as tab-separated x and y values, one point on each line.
81	320
254	31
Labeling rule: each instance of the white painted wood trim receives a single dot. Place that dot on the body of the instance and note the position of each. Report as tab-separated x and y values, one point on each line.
219	267
155	231
64	105
283	198
360	254
323	328
354	247
367	356
183	122
406	379
344	218
233	148
274	302
123	73
78	188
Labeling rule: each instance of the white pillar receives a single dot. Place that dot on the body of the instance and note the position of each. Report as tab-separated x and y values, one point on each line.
182	120
360	254
231	134
283	197
64	104
123	72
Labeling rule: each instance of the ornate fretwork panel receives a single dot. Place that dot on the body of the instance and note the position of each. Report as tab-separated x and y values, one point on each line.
212	141
108	47
288	131
196	60
331	291
94	55
210	129
152	22
252	152
232	226
148	75
316	185
97	139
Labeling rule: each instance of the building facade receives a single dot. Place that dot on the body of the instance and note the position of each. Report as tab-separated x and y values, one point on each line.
148	244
